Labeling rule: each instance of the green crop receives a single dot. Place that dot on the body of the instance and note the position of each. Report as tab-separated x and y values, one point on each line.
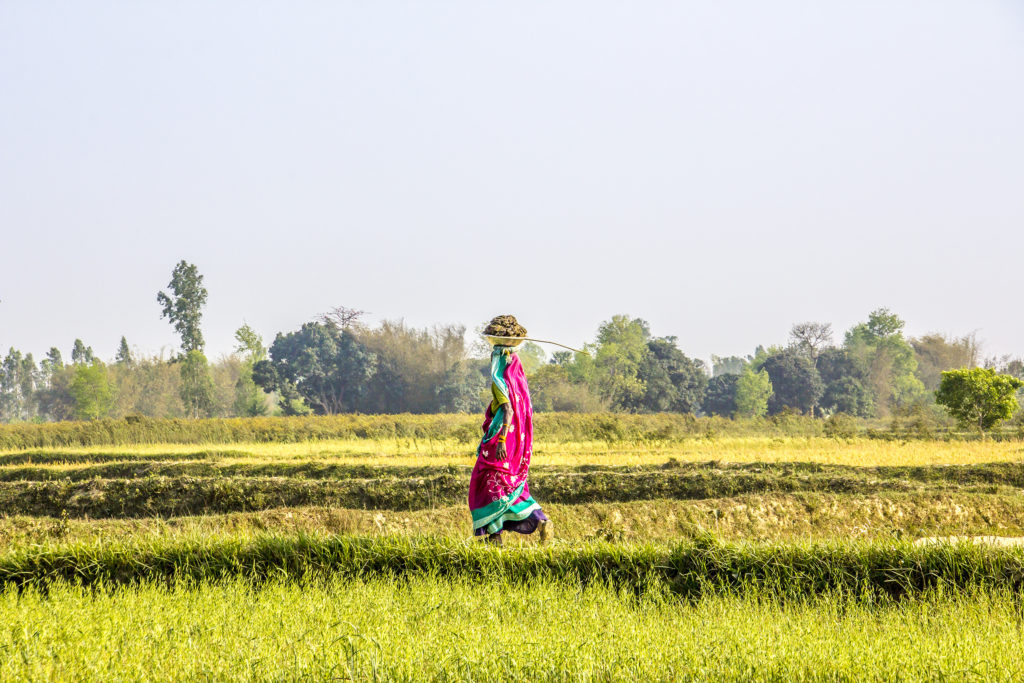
434	628
704	565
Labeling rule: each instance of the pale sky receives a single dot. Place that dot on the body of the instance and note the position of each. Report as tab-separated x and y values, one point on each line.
721	169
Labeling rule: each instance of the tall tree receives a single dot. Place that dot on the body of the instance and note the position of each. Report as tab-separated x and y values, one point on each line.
622	349
879	346
53	361
124	354
250	400
18	378
184	307
53	395
343	317
81	354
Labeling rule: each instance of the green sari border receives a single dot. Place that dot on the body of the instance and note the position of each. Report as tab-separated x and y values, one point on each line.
482	516
496	525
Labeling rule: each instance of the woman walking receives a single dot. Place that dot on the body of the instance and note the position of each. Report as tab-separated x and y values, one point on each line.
499	494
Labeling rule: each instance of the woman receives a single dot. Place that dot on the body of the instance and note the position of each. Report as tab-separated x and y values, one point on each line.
499	495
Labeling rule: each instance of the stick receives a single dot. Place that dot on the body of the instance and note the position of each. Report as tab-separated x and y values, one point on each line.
542	341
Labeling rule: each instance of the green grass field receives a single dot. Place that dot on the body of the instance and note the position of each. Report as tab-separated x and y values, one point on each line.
341	547
436	629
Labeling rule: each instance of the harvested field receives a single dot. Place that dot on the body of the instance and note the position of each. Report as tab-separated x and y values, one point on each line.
425	452
814	535
778	517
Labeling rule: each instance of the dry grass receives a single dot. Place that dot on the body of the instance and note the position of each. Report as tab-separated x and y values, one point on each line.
412	452
771	517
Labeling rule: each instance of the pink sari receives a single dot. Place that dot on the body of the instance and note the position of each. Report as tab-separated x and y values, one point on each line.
499	495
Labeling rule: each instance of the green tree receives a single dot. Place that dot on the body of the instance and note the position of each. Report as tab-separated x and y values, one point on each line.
249	344
845	380
81	354
92	390
196	384
184	307
621	351
672	381
53	392
18	379
795	380
753	390
720	398
250	400
890	365
52	362
320	363
124	354
978	397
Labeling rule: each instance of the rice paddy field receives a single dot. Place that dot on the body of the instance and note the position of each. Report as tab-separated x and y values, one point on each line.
340	548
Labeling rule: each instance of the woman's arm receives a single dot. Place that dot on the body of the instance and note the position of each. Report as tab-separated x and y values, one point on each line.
507	414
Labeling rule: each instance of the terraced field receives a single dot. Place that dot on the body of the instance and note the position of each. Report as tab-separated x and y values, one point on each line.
656	535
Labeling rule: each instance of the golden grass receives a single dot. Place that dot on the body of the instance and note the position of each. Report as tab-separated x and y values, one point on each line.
407	452
770	517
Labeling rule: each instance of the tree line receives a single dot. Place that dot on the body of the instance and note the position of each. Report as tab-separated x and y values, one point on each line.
338	364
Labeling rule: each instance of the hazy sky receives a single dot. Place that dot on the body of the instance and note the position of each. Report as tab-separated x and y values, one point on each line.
721	169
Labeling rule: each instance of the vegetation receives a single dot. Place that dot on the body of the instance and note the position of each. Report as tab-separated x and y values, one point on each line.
184	306
978	397
337	364
157	488
684	545
865	570
552	427
543	631
784	517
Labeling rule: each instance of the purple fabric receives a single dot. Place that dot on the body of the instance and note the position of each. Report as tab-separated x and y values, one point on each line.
523	526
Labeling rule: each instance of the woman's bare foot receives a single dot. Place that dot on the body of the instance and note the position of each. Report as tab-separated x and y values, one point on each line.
547	530
495	539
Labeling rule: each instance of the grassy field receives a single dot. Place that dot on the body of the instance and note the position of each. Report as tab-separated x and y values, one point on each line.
341	547
467	630
471	630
